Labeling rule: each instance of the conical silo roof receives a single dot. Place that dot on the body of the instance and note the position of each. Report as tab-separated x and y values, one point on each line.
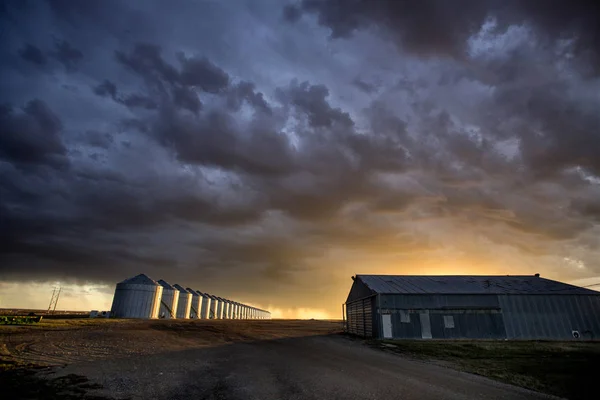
166	285
179	287
141	279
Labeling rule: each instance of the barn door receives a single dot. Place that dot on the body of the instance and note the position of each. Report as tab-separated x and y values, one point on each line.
386	320
425	325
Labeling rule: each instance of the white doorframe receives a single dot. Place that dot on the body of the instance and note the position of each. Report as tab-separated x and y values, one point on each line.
386	321
425	325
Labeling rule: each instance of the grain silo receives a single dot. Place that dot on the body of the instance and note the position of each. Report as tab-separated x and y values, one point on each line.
219	308
184	304
205	305
226	308
212	313
137	297
196	303
233	310
169	301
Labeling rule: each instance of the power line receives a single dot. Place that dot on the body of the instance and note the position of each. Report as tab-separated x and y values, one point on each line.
54	300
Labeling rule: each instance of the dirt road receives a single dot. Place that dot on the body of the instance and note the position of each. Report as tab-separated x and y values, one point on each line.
301	363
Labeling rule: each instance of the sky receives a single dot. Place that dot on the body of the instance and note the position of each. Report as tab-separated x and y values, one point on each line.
266	151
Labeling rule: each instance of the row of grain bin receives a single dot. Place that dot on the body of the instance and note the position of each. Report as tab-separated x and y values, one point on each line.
142	297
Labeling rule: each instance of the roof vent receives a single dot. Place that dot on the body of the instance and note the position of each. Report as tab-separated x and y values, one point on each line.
537	275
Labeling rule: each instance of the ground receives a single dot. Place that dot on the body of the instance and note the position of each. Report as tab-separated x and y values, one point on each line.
568	369
129	359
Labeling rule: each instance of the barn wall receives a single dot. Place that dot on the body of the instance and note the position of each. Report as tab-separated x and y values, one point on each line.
472	316
429	301
360	317
358	291
551	316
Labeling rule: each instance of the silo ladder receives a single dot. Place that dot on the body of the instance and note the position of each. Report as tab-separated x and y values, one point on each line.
168	309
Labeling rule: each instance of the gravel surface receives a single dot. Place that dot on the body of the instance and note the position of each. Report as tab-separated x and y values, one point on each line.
256	360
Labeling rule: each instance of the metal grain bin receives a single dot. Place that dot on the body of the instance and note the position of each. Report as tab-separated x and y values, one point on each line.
220	306
236	310
196	303
226	309
137	297
169	301
212	311
184	305
205	306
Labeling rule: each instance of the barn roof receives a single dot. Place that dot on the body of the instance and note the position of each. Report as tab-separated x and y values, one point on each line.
468	284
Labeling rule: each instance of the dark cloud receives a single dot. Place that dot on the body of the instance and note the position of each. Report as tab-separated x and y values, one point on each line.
146	60
364	86
215	140
437	27
186	98
33	54
311	100
31	136
547	110
246	92
99	139
66	54
204	74
211	141
106	88
292	13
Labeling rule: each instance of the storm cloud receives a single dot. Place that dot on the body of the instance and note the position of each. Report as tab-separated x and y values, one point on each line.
271	152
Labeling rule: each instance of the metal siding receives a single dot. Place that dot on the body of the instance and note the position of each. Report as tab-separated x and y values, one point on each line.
593	304
406	330
551	317
428	301
475	316
133	300
360	318
168	303
358	291
204	306
196	304
185	305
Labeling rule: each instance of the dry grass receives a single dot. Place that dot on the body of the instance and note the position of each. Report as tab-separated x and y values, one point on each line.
568	369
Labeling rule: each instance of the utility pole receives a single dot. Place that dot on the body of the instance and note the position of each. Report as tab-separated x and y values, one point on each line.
54	300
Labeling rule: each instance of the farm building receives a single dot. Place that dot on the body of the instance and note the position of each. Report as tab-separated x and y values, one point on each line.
473	307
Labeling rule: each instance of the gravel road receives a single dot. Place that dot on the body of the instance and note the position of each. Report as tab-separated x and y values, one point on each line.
313	367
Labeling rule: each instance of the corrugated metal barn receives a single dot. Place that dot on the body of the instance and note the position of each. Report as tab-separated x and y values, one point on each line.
471	307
